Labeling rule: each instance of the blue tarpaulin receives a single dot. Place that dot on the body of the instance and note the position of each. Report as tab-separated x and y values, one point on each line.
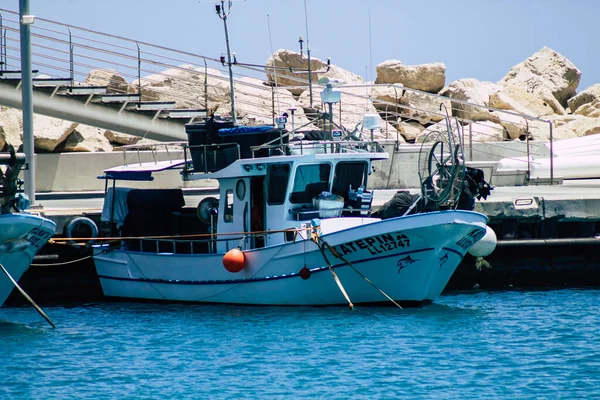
241	130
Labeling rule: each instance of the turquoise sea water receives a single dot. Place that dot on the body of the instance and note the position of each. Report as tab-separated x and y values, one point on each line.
533	344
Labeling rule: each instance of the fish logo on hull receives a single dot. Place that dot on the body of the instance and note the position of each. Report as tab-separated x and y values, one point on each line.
405	262
443	260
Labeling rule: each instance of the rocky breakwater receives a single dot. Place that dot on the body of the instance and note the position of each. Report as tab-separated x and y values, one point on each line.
407	97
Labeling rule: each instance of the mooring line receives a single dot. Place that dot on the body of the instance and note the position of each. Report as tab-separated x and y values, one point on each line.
338	255
315	238
61	263
29	299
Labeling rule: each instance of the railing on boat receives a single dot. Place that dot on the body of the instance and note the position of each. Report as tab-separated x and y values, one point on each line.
187	245
179	246
205	158
153	148
212	157
302	147
206	243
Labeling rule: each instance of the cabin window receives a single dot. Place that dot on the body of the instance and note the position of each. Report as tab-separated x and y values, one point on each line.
278	176
228	215
309	182
349	174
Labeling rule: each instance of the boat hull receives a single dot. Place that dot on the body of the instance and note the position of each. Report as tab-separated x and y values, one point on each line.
21	237
409	258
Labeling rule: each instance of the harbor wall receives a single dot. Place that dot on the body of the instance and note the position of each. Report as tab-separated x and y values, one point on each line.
78	172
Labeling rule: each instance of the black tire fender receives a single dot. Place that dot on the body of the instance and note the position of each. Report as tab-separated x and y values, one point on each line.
73	225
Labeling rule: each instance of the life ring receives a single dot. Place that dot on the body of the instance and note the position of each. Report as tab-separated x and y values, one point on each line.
76	224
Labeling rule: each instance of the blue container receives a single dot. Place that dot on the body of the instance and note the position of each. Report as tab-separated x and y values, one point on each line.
207	158
250	136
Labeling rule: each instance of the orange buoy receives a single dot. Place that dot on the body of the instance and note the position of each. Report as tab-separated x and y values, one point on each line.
233	260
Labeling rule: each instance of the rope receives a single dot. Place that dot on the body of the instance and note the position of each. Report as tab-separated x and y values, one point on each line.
338	255
29	299
198	235
61	263
315	238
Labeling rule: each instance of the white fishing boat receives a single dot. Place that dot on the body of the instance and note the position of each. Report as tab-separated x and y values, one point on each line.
22	233
292	226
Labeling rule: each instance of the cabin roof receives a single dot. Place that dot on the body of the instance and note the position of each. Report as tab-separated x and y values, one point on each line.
140	171
242	167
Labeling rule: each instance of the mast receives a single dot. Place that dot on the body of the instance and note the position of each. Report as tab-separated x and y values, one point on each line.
223	15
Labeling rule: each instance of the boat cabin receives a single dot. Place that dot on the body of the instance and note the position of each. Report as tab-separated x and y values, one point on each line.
261	199
283	192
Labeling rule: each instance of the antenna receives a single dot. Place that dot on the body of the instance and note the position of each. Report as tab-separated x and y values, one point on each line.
370	50
295	70
274	71
308	54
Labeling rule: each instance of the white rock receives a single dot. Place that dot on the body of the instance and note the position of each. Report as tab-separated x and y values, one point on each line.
121	139
349	78
563	127
585	126
85	138
589	95
410	130
514	125
545	69
485	131
424	108
591	110
186	86
426	77
297	79
387	97
49	132
541	131
255	103
283	60
474	92
546	95
10	121
579	124
110	78
517	99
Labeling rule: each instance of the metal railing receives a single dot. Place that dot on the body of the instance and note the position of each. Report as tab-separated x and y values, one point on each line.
65	51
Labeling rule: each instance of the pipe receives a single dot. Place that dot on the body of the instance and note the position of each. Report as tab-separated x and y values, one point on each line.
96	115
27	100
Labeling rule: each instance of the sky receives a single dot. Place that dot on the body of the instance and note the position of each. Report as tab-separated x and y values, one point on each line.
479	39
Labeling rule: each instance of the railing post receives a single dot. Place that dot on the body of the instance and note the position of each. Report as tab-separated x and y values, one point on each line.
273	101
2	44
340	111
71	58
528	160
205	87
396	114
471	141
139	71
551	156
